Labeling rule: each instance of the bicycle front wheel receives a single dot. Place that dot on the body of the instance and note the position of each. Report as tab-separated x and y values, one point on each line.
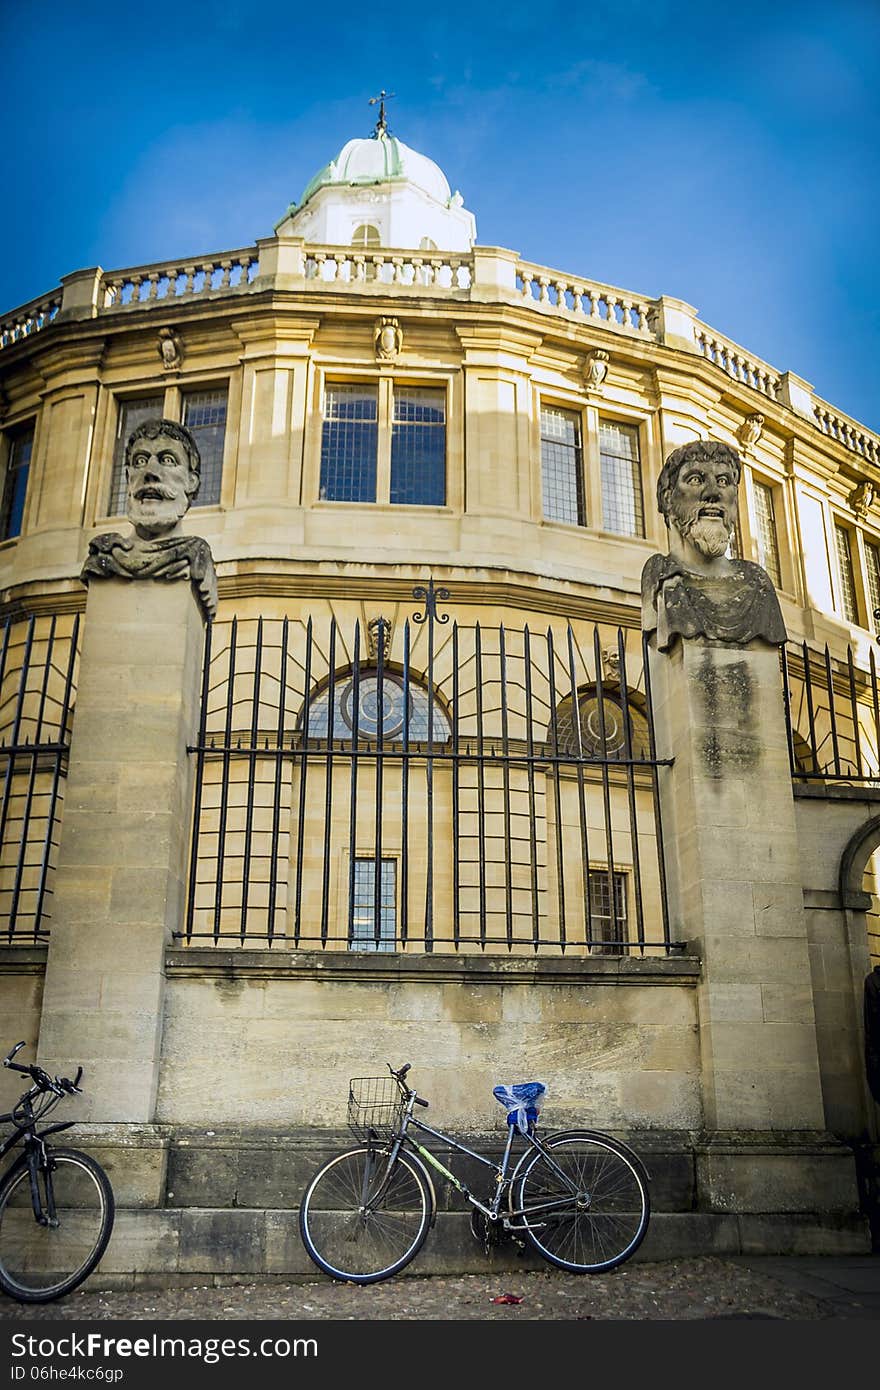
585	1207
41	1261
363	1221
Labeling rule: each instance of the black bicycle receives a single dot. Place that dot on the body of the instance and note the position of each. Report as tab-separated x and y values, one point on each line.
577	1197
56	1205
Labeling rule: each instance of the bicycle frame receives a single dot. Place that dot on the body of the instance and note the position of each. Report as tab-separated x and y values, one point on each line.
403	1139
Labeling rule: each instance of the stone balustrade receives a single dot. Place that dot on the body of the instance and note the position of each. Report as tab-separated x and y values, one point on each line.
737	363
30	318
602	305
485	274
422	271
847	432
229	270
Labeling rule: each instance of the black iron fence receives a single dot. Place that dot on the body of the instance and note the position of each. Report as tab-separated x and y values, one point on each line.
426	785
38	663
833	714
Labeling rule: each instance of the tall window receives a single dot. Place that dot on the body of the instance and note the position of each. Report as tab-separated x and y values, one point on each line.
131	413
872	556
348	444
562	473
848	606
418	446
384	443
766	534
366	931
608	926
18	462
204	414
622	508
202	411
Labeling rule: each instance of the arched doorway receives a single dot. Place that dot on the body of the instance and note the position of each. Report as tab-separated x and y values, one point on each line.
860	901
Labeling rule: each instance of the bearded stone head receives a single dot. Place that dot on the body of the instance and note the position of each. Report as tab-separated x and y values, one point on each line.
163	472
697	494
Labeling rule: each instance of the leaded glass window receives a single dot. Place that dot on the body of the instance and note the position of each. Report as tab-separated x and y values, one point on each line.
348	443
15	483
766	534
848	605
562	472
872	557
418	446
607	924
132	412
622	507
367	931
204	414
376	706
603	729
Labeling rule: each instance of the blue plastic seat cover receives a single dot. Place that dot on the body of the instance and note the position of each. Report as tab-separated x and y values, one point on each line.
522	1102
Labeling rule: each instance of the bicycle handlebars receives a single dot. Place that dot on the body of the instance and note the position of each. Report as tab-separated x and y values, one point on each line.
399	1078
59	1085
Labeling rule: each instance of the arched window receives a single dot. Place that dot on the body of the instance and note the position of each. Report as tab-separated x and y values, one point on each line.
608	719
404	711
366	235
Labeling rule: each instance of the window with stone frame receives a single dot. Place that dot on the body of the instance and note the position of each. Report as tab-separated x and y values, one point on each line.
872	561
131	411
384	442
366	235
368	929
19	448
202	409
848	604
562	467
608	924
766	534
621	478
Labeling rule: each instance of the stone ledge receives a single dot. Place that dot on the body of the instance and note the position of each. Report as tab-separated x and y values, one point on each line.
179	1247
233	964
835	791
23	960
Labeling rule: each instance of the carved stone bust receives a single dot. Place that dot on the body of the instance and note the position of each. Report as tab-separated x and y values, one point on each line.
696	590
163	473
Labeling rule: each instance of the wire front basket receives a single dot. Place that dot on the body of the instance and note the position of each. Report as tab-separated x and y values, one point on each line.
375	1107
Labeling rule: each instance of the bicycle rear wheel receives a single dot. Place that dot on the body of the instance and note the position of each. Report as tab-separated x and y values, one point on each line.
361	1222
39	1263
586	1207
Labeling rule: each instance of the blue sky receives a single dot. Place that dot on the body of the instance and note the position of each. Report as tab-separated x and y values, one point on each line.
726	155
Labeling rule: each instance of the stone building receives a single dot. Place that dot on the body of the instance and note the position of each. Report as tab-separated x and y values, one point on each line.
414	791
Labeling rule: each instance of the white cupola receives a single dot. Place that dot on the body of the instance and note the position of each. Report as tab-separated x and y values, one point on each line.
379	192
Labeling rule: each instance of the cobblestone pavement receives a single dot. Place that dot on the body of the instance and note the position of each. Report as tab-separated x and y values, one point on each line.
706	1287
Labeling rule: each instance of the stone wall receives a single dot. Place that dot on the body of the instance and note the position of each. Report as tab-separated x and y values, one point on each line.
277	1036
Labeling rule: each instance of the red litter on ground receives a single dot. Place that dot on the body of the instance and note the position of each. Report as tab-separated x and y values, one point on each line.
508	1298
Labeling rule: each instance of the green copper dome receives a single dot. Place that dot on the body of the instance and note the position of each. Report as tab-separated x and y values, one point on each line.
381	159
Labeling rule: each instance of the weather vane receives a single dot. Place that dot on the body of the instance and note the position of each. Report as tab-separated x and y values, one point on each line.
381	124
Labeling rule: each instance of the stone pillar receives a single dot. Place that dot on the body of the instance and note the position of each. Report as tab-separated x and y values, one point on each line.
736	897
121	879
735	883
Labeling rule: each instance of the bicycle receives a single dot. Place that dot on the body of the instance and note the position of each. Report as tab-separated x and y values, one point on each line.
578	1197
56	1204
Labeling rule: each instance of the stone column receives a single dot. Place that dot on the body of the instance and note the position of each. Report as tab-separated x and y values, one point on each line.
121	879
734	881
736	897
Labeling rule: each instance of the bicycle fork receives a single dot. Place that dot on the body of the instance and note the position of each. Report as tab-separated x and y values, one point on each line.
39	1162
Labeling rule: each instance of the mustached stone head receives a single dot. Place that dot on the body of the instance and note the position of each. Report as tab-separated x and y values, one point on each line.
163	473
